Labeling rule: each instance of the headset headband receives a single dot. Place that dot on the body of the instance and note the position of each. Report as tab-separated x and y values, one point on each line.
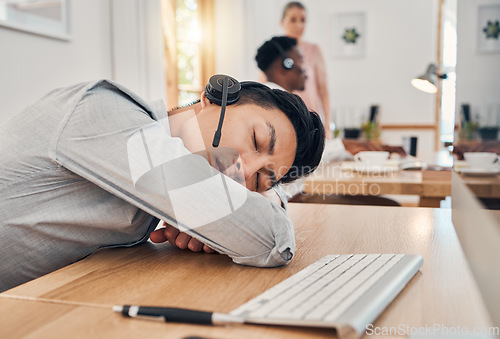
286	61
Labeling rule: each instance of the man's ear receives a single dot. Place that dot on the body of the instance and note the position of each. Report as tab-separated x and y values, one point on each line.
204	100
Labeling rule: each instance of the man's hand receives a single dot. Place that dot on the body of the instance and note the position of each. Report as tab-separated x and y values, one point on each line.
179	239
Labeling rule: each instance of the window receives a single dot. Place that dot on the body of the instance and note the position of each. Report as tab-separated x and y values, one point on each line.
188	31
449	63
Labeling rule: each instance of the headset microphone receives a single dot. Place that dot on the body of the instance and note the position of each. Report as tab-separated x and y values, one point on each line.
222	90
218	132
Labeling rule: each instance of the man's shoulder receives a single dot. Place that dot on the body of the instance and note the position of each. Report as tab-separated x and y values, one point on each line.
68	96
79	89
113	87
106	92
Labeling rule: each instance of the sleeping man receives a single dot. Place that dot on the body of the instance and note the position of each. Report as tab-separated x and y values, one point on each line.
93	165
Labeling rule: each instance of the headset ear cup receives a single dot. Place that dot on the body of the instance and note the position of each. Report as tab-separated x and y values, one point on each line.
287	63
214	89
211	95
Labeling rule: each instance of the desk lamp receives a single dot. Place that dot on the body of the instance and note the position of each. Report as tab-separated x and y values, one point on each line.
427	82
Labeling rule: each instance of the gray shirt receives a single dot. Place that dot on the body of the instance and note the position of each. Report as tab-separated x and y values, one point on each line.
93	165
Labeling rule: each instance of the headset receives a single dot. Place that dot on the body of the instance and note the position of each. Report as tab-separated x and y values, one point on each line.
286	62
224	90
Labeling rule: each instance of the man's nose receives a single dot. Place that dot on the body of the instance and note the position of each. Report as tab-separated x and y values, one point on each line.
251	165
236	171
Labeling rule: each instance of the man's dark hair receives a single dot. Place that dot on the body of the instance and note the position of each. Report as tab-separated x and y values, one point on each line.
268	52
307	125
292	4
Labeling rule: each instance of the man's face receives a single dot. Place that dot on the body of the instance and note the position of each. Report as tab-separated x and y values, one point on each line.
296	76
257	146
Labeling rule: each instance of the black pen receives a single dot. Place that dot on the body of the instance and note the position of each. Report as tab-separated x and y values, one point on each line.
178	315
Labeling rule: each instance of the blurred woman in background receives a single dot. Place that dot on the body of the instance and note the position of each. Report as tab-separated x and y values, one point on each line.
315	94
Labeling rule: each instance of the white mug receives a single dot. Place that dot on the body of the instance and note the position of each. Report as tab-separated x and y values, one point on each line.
372	157
481	160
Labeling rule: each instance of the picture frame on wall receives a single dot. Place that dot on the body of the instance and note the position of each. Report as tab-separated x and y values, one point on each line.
348	34
488	28
49	18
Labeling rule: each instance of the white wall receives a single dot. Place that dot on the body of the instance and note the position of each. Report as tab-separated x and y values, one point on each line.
478	73
31	65
119	40
137	47
401	41
230	42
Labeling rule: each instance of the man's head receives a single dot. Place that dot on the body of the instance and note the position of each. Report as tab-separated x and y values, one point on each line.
271	58
268	136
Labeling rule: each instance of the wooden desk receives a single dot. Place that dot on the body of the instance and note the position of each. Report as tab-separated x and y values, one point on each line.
430	186
442	293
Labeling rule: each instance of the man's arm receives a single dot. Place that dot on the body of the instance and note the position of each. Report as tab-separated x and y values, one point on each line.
184	241
111	140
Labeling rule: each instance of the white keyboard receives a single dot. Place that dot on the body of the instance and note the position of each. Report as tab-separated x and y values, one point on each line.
346	292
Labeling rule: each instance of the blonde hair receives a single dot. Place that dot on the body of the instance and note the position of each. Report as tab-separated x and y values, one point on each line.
292	4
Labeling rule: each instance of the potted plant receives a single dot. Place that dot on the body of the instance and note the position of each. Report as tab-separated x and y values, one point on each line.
336	132
370	130
469	130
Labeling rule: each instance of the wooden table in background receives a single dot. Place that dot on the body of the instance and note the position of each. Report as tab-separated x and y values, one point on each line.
430	185
443	293
483	187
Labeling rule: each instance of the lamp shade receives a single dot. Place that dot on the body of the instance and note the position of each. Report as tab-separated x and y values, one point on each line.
427	82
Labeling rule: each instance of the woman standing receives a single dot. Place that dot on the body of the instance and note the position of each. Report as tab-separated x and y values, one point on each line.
315	94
